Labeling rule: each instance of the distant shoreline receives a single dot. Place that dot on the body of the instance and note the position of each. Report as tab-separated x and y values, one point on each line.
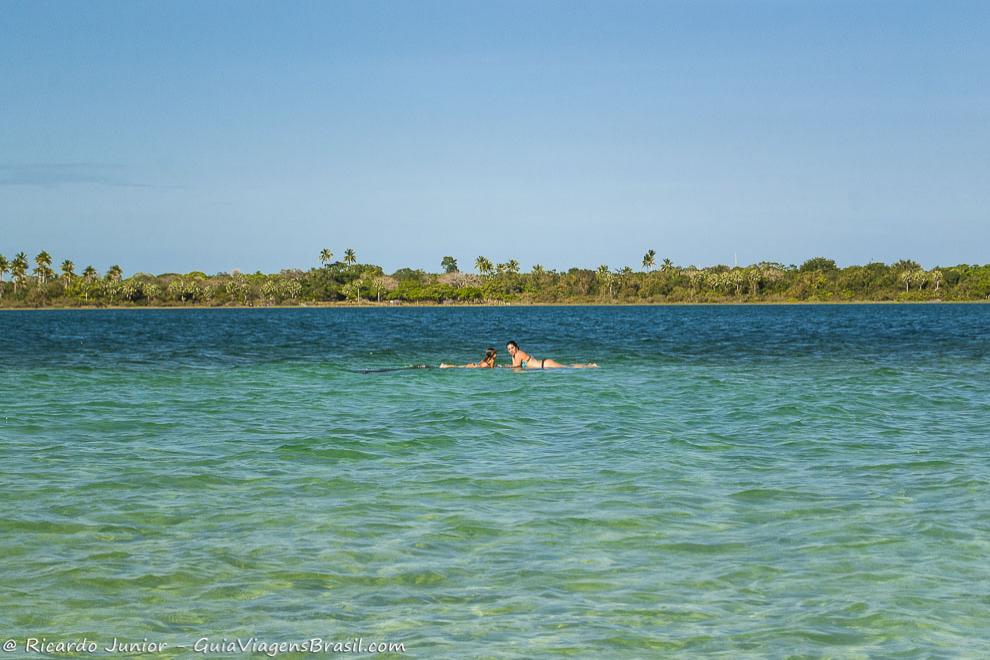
341	305
350	284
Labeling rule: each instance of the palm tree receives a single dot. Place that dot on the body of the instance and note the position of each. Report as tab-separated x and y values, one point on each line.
649	259
18	269
605	277
4	267
667	266
46	274
89	276
715	280
349	257
114	273
383	283
43	268
352	289
326	256
755	276
68	271
937	275
512	267
737	277
908	276
483	265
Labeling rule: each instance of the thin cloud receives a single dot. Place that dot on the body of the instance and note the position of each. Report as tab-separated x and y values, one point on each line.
53	175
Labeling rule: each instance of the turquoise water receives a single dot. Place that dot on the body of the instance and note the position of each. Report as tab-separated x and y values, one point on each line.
755	481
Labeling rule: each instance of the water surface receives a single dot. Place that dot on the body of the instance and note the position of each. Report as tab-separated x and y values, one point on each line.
741	480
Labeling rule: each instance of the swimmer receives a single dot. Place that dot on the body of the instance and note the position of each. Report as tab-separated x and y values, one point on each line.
522	359
488	362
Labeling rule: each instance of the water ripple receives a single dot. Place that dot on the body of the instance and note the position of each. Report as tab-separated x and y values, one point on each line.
749	481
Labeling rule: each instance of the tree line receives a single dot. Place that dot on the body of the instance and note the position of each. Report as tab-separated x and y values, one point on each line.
35	283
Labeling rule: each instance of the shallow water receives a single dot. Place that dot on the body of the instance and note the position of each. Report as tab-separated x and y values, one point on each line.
741	480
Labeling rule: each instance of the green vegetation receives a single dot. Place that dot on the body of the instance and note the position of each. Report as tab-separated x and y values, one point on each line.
449	264
816	280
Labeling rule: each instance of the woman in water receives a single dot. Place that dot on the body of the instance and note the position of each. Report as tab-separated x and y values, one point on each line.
522	359
488	362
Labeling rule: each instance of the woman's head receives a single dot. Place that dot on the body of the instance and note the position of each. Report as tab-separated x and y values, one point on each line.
490	355
512	347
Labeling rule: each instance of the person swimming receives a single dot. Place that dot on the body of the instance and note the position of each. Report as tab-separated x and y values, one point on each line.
523	360
487	362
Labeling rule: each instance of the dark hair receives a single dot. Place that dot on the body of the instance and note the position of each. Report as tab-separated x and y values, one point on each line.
489	353
512	343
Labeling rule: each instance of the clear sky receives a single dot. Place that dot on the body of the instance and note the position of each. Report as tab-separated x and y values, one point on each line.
177	136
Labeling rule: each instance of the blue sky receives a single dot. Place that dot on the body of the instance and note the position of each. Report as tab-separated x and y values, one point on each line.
173	136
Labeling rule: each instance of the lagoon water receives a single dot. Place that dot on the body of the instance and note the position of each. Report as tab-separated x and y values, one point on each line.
733	480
